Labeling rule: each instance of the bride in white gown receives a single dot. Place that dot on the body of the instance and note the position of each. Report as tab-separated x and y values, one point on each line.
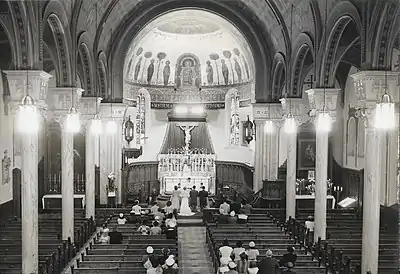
185	209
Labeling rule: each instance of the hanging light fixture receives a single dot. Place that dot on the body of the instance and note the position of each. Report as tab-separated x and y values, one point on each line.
385	114
129	130
269	124
28	116
248	128
72	123
290	126
324	120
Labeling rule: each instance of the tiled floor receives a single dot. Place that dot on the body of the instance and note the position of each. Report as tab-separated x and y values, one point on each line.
193	253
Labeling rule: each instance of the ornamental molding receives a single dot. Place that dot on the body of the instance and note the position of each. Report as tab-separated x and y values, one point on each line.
112	111
298	107
61	99
323	100
267	111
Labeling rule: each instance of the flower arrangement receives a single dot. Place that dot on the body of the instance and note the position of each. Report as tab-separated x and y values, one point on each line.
111	179
111	176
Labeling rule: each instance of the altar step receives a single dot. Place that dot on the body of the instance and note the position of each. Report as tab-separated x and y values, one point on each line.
190	221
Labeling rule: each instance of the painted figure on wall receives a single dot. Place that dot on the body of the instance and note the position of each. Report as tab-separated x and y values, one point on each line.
210	73
150	71
188	71
166	72
137	68
246	67
238	70
6	165
225	71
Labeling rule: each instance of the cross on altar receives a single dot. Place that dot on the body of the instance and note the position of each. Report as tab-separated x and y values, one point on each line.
310	82
188	136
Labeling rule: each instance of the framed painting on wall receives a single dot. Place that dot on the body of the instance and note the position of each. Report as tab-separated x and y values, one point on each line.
306	154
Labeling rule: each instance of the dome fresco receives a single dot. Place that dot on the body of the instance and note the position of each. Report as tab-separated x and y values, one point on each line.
189	49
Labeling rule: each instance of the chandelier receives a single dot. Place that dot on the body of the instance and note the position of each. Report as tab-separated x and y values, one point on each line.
385	114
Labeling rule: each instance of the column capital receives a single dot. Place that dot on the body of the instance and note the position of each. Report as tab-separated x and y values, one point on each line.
32	82
267	111
323	99
298	107
371	85
89	106
112	111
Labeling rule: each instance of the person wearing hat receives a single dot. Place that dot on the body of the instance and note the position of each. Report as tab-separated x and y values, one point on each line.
232	268
289	257
144	229
148	258
289	268
252	252
232	217
121	219
268	265
170	266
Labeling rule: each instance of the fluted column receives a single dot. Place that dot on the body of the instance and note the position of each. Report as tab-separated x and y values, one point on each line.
258	155
323	105
370	85
298	109
20	84
90	171
67	183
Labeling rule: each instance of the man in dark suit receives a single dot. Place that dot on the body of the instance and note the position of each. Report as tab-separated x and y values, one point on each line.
193	198
203	195
115	237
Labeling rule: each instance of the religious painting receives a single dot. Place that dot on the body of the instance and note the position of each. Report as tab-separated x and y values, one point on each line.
306	154
188	71
6	166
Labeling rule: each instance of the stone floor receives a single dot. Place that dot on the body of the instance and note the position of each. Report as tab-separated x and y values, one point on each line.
193	253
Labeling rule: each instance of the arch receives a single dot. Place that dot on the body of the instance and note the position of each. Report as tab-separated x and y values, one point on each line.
61	41
384	26
22	35
86	61
278	77
102	75
342	14
6	26
303	45
256	35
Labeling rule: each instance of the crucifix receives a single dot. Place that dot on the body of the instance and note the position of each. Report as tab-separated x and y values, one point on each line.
188	136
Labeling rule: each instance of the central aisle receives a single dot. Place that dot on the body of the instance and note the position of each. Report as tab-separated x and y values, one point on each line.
193	253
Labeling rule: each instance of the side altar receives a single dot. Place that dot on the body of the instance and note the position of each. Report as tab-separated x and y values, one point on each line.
179	164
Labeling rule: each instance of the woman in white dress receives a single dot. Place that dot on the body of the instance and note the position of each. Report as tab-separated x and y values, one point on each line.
185	209
175	198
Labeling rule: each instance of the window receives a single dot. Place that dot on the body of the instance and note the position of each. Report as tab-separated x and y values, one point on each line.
234	128
140	119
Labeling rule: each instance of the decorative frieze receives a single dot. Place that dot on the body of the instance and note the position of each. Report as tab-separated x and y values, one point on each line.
267	111
112	110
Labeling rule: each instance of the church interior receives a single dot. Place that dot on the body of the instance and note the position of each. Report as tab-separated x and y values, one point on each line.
199	136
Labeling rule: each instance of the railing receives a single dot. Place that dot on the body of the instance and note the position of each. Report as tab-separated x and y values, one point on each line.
54	183
211	248
60	258
327	255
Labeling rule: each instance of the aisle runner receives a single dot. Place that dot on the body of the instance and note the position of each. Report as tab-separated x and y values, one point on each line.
193	253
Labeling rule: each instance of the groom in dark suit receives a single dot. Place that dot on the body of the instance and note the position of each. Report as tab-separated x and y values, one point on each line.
193	198
203	195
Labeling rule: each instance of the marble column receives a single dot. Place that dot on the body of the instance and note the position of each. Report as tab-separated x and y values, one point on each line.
29	201
118	139
291	168
368	86
322	102
90	171
321	177
371	201
271	151
258	156
67	183
105	167
21	83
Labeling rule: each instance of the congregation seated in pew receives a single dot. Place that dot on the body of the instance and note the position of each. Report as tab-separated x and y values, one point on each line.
116	236
288	258
104	237
121	219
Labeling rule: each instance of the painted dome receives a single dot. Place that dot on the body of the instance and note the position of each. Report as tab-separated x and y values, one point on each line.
189	49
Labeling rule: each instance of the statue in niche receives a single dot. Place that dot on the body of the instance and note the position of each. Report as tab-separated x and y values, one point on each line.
210	73
166	72
150	71
137	68
225	71
188	71
238	70
6	164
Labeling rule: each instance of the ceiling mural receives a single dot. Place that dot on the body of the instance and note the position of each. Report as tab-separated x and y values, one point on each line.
189	49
